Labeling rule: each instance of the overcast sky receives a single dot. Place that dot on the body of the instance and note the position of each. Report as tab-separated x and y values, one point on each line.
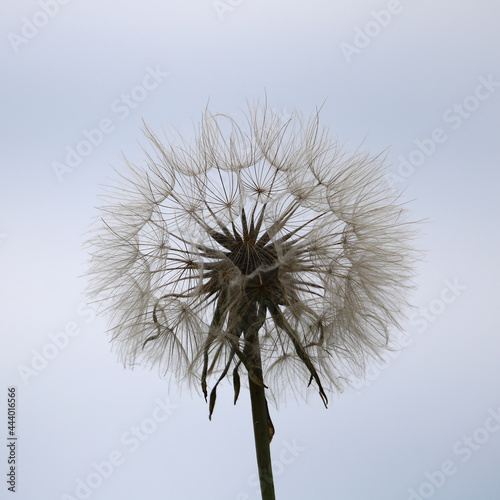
421	78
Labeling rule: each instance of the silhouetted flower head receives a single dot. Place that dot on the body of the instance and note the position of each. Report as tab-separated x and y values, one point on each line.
269	225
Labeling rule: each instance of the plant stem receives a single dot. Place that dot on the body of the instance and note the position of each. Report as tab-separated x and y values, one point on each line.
262	438
260	415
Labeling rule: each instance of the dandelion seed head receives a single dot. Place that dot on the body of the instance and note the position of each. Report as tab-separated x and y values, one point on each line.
272	223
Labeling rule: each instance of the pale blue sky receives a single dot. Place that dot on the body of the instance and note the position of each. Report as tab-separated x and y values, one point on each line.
430	74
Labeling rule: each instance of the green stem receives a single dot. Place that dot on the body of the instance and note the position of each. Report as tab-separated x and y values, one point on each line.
262	439
262	426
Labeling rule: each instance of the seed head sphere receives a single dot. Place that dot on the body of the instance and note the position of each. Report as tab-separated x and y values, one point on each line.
269	226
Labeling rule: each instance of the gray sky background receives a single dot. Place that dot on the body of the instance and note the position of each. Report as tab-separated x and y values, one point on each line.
420	77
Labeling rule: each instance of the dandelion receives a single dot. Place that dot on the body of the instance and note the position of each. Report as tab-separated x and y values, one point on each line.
266	250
